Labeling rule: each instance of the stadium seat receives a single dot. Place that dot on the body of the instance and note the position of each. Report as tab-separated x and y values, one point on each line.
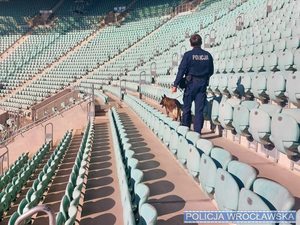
148	215
260	122
292	88
259	86
193	161
265	195
218	158
287	142
142	193
276	86
226	112
175	136
229	183
215	109
241	114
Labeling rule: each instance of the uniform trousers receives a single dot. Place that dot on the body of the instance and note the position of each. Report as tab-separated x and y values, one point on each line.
195	91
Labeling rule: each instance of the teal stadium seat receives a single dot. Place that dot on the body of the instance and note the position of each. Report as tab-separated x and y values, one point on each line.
241	117
260	122
226	112
276	86
229	183
265	195
259	86
292	88
148	215
175	137
287	142
218	158
215	109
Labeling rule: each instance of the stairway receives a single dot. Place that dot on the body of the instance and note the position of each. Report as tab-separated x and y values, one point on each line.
57	190
102	202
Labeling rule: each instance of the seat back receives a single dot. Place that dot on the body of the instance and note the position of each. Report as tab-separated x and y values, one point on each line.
288	121
273	194
228	184
148	215
260	122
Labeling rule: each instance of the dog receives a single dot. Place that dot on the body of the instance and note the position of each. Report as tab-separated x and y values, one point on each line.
172	106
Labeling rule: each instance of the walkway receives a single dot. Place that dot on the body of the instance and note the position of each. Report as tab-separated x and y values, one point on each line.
172	190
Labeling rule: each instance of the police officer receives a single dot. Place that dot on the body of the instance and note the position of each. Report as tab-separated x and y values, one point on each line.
196	68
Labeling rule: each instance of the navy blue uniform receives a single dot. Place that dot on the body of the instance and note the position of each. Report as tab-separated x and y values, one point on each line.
197	66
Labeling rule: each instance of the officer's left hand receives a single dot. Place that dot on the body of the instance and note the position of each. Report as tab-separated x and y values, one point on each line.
174	89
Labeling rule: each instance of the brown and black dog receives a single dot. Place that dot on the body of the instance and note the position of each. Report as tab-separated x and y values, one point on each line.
172	106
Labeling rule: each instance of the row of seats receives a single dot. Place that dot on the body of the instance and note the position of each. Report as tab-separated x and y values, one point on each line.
134	193
9	174
35	194
279	86
18	180
70	201
233	184
264	122
281	60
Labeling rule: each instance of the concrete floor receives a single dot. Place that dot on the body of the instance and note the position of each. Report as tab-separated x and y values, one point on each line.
172	190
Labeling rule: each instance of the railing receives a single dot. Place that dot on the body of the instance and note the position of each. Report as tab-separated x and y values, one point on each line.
2	158
5	142
40	208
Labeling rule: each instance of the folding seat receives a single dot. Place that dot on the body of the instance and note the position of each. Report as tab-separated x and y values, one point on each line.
222	66
266	37
276	84
184	145
260	122
285	60
223	83
13	218
270	61
292	43
259	86
226	112
248	63
142	193
229	66
234	85
280	45
238	64
60	219
287	142
241	114
268	47
258	63
217	158
72	212
175	135
249	50
258	49
167	131
148	215
292	88
229	182
245	85
265	195
297	59
215	109
136	177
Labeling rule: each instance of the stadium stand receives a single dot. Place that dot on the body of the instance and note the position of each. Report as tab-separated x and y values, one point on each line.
131	163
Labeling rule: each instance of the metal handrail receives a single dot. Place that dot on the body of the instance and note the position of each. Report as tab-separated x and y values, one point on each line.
41	208
2	157
37	122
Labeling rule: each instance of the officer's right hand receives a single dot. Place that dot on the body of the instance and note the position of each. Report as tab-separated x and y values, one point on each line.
174	89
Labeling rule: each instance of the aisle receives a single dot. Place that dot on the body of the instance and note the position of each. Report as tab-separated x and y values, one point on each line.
172	190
